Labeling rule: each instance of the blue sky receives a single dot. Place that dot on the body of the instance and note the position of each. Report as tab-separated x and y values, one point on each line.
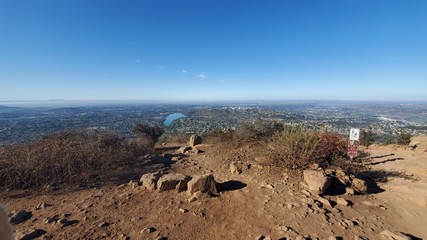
213	50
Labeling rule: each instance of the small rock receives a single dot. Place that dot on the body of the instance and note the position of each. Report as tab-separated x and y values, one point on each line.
124	237
183	210
52	219
43	206
148	230
393	235
324	201
259	237
235	168
104	224
360	238
192	199
65	222
20	216
342	201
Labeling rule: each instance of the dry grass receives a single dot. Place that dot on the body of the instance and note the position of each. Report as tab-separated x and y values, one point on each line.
64	158
296	147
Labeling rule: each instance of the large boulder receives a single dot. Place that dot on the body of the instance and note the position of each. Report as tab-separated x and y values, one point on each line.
195	140
317	181
172	181
149	180
204	184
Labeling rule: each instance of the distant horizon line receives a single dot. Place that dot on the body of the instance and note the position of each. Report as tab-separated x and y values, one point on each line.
153	101
214	100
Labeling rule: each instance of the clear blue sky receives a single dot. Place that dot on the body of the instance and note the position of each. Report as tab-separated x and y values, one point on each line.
213	50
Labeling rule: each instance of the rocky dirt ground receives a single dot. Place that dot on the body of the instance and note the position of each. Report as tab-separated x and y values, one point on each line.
259	203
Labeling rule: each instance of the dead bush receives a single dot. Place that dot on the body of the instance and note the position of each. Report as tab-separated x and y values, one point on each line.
176	138
257	131
296	147
147	134
218	136
64	158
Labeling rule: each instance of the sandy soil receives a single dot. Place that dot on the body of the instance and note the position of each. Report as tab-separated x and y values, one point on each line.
260	201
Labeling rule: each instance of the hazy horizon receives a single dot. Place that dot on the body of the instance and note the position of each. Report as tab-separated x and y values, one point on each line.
106	103
193	51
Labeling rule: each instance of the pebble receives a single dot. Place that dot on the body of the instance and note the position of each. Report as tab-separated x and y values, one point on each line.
183	210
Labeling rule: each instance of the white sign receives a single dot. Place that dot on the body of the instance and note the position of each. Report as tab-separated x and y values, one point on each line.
354	134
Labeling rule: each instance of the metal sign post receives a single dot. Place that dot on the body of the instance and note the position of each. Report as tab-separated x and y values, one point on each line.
353	143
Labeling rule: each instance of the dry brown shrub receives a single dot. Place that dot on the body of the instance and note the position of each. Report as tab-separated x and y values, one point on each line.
296	147
176	138
64	158
218	136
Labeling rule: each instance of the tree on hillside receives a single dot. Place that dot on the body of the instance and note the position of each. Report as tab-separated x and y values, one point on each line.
148	133
366	138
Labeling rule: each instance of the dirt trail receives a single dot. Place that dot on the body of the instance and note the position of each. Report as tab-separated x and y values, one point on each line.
260	201
406	189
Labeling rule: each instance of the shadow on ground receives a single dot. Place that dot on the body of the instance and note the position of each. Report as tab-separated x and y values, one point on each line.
230	186
373	177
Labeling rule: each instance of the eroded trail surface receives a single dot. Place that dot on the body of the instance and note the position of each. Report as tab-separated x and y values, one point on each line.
259	203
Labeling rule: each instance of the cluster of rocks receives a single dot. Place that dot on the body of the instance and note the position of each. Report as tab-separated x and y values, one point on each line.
18	217
198	184
319	181
190	147
237	167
